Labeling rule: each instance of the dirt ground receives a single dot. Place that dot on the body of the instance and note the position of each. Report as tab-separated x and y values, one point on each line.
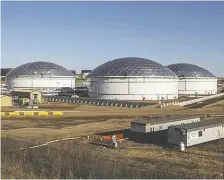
94	121
81	119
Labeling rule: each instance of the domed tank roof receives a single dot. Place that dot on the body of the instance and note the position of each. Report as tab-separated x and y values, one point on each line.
190	70
39	68
131	66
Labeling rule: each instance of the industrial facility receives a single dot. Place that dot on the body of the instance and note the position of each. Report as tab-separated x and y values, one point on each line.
22	97
194	80
160	124
196	133
181	131
25	97
132	78
44	76
129	78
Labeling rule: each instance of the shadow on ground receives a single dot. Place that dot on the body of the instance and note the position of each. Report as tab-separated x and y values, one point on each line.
157	138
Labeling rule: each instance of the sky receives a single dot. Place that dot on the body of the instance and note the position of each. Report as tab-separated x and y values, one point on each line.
83	35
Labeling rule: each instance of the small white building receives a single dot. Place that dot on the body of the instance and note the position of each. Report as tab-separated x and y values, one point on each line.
132	78
160	124
194	80
196	133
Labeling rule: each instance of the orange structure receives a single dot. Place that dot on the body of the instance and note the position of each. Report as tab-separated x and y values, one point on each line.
118	137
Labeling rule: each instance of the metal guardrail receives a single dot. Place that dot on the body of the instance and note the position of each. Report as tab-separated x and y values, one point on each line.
98	102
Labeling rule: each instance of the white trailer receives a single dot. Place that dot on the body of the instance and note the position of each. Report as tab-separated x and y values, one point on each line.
159	124
196	133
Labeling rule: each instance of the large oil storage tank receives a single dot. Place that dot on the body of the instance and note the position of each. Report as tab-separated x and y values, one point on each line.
132	78
194	80
41	75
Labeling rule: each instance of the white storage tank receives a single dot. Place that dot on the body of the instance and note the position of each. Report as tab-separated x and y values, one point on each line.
132	78
194	80
40	75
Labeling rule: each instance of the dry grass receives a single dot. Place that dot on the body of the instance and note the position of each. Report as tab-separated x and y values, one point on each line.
192	161
33	132
79	159
86	119
14	170
130	160
83	161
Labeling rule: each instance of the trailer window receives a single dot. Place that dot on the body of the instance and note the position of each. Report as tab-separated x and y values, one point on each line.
199	133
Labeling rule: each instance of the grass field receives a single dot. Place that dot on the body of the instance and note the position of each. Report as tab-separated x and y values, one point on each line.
82	159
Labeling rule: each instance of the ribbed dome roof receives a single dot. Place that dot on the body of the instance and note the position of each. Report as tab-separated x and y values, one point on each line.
190	70
131	66
39	68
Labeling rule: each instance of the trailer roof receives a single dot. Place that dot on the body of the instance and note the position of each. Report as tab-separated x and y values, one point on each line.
201	124
160	120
